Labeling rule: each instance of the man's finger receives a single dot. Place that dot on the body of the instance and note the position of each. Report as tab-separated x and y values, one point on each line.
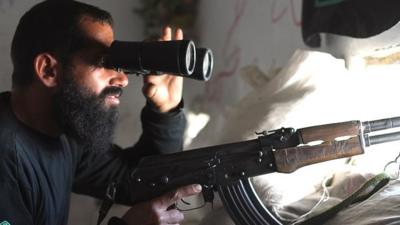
172	216
168	199
178	34
166	34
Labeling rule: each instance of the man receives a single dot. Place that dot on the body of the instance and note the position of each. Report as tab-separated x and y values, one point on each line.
56	124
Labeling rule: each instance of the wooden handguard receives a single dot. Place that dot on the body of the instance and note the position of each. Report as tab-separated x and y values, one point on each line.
329	132
290	159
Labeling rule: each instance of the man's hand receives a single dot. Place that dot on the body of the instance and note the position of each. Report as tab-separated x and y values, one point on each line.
165	91
155	212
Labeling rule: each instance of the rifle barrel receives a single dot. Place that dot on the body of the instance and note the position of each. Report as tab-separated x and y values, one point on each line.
382	138
382	124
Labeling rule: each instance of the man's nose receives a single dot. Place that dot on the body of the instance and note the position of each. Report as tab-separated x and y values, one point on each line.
119	79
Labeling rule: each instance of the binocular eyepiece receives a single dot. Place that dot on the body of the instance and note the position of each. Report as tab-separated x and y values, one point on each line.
177	57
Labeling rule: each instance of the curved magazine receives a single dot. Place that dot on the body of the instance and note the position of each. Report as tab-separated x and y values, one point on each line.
244	206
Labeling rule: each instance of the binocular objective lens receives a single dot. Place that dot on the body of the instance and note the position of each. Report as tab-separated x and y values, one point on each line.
190	58
206	64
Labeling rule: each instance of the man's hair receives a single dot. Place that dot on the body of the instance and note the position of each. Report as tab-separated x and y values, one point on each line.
52	27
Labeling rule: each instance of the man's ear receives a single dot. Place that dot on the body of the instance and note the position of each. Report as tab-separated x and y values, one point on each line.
46	69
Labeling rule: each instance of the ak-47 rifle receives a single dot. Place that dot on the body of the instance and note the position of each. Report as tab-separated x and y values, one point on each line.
227	168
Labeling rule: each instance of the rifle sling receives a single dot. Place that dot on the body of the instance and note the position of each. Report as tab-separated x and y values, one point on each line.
361	194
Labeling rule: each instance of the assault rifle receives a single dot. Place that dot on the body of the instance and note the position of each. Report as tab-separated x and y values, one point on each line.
227	168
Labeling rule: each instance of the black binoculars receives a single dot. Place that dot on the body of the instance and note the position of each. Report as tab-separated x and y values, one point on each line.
177	57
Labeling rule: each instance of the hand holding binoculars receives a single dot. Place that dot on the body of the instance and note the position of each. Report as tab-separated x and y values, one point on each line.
177	57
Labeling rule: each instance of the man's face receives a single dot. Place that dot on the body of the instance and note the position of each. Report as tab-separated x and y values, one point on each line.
86	68
88	94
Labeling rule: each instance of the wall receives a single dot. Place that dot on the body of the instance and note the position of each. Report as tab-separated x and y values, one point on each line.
251	40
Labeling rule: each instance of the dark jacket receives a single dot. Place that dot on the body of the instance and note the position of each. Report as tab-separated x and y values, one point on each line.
38	172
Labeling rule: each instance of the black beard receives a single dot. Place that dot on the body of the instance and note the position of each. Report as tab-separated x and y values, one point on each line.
83	115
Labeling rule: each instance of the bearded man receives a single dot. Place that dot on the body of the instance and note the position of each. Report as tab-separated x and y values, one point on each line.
57	123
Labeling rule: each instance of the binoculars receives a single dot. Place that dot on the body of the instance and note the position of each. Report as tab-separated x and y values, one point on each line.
177	57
